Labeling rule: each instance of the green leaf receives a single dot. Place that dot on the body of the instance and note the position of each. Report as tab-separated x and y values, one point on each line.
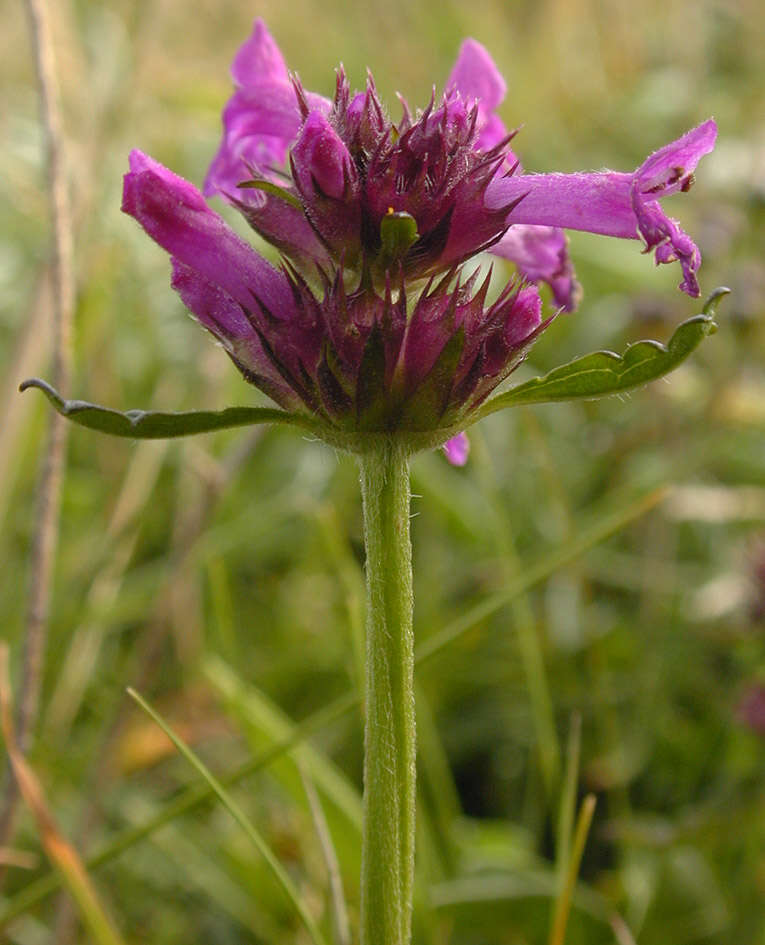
153	425
605	372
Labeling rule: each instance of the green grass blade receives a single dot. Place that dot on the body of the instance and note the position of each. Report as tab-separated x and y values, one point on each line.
436	789
262	719
239	815
563	900
518	884
606	525
337	893
547	565
568	801
530	644
191	798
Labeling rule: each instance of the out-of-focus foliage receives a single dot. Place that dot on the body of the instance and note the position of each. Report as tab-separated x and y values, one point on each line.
222	576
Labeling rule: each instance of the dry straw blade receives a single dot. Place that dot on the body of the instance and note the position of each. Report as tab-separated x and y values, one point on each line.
61	853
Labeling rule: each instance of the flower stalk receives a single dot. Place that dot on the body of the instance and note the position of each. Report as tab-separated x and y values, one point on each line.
387	868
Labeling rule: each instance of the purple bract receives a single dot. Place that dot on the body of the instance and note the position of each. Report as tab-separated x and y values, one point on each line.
375	321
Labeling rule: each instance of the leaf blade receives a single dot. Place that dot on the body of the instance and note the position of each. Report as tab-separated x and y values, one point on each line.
157	425
605	372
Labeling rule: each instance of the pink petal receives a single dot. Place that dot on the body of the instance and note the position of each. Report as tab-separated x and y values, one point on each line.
599	202
477	79
613	203
457	449
221	315
321	160
174	213
541	255
261	119
669	169
259	59
475	76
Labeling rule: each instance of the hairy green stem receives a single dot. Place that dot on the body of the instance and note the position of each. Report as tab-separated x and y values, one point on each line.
387	862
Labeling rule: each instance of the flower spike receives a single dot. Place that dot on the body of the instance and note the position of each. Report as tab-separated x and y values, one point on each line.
372	324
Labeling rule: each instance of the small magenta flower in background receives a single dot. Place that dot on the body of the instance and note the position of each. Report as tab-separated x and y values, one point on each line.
379	333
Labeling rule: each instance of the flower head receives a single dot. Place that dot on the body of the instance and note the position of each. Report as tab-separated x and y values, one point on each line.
374	321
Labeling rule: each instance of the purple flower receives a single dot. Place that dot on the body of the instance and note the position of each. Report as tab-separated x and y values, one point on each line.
372	322
457	449
615	204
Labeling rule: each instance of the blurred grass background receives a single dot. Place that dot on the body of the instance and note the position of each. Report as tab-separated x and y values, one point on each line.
222	577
